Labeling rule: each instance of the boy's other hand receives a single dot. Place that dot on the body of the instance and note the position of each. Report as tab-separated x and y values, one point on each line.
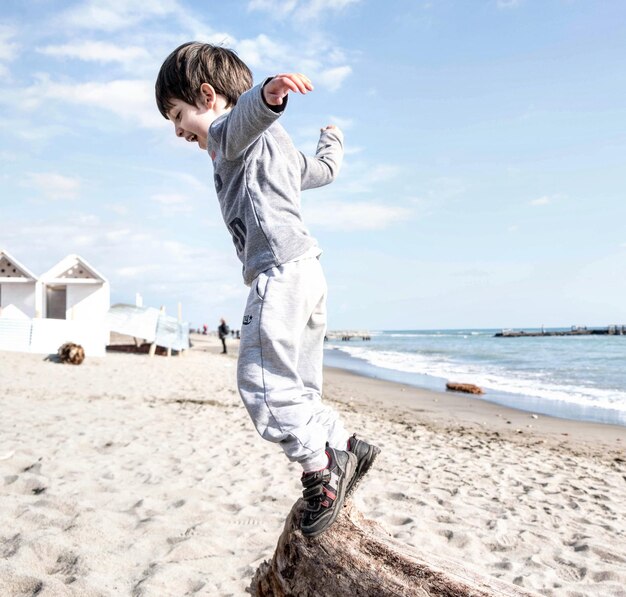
277	88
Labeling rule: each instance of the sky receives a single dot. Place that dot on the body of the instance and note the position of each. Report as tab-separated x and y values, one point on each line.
484	176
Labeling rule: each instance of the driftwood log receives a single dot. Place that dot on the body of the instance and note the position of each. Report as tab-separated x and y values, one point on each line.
356	557
468	388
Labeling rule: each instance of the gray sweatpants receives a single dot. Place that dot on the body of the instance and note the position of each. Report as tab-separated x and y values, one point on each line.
279	372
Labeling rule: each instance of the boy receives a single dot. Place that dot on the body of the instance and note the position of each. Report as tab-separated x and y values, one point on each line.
207	92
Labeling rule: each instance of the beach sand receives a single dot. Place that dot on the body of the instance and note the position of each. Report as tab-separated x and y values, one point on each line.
130	475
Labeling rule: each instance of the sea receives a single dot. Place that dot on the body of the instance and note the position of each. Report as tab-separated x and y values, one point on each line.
572	377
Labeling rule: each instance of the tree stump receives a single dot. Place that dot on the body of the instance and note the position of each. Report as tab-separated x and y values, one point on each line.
356	557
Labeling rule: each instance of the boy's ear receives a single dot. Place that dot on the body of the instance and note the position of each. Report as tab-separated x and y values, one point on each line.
207	95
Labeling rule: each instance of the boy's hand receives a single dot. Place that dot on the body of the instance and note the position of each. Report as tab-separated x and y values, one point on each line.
278	87
329	127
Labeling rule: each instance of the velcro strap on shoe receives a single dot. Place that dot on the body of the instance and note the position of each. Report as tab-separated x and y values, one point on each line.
311	492
312	479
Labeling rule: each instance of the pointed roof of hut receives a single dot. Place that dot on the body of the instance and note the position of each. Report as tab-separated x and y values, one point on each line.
11	270
73	269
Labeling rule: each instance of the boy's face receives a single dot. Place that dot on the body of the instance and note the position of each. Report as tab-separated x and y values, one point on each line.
191	122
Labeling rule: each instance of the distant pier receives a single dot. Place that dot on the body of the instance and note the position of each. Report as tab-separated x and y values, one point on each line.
347	335
611	330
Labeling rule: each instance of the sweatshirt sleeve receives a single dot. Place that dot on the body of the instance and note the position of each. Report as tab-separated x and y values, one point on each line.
323	168
244	124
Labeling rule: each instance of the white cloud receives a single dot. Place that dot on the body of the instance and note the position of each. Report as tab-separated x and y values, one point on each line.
332	78
362	177
24	128
163	269
96	51
508	3
131	100
266	56
314	8
274	7
169	199
114	15
545	200
8	49
56	186
360	215
342	123
135	271
117	235
117	208
300	10
261	52
353	149
172	203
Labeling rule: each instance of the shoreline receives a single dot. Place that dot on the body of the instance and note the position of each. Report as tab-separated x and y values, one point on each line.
532	404
451	411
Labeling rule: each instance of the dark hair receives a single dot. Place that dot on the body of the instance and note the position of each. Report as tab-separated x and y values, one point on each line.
194	63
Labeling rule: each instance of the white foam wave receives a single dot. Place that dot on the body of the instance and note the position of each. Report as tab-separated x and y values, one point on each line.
496	378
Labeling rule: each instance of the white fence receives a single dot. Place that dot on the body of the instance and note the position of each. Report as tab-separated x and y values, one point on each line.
45	336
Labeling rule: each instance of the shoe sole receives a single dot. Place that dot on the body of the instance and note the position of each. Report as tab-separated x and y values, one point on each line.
342	494
363	466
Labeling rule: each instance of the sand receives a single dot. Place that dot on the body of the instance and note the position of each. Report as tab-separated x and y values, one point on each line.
130	475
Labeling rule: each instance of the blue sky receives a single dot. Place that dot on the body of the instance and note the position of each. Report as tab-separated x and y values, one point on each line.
485	169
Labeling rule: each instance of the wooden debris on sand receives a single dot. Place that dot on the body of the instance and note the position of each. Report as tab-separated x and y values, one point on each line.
71	353
468	388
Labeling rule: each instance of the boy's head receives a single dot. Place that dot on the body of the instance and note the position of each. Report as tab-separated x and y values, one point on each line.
191	65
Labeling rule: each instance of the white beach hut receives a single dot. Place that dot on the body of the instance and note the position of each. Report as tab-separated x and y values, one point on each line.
75	291
19	290
75	300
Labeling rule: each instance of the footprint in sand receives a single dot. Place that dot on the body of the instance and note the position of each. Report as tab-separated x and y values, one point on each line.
9	547
231	507
505	541
66	564
608	576
400	520
249	521
569	570
608	556
29	484
397	496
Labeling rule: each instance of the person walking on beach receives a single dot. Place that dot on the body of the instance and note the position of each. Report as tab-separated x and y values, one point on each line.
222	333
208	94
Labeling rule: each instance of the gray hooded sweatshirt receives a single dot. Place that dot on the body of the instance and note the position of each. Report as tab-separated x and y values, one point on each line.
258	177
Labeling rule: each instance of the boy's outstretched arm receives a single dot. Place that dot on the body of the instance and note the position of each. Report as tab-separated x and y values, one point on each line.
255	111
322	169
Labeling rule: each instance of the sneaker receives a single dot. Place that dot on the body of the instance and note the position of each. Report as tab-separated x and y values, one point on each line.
365	454
325	491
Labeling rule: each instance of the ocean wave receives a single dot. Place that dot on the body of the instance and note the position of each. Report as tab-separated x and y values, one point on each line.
491	377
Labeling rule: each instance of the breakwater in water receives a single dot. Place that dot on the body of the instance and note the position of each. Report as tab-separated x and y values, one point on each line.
611	330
